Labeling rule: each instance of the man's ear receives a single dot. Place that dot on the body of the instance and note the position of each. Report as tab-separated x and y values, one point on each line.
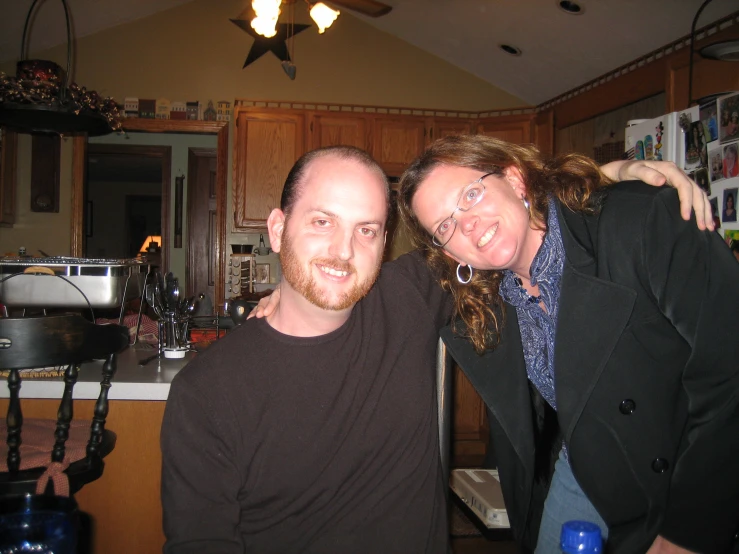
515	179
275	227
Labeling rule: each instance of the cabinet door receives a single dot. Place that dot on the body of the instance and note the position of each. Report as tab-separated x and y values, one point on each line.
338	129
397	142
8	155
516	129
470	433
441	128
266	147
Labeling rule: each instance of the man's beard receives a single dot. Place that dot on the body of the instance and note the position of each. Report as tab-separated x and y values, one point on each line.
303	282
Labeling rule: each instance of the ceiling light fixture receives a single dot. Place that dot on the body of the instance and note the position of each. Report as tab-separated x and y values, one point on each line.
266	14
512	50
724	51
323	16
572	8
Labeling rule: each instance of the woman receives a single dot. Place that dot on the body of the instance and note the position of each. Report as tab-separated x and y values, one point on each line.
600	305
729	210
731	167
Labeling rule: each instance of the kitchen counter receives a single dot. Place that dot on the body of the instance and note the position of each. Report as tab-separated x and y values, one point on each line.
131	381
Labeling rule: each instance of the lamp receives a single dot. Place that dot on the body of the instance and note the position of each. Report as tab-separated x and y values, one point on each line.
152	245
265	21
323	16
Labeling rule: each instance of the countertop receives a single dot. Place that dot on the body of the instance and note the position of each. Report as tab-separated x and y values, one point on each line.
131	381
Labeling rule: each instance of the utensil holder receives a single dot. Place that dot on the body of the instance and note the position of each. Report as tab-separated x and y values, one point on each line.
173	335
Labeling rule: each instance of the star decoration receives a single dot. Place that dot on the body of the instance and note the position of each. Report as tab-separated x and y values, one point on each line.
276	44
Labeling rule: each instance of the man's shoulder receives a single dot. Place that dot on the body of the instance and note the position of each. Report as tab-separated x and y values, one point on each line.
222	358
409	267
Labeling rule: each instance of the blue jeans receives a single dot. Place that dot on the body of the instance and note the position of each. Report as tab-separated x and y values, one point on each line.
566	501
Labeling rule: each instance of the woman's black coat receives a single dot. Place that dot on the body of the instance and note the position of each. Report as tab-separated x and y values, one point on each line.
646	372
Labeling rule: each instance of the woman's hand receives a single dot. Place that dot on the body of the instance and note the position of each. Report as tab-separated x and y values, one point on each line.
267	305
692	197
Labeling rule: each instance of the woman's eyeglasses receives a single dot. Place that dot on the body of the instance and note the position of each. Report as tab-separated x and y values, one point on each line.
471	195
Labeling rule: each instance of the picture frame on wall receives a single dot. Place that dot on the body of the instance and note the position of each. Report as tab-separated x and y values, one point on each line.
262	273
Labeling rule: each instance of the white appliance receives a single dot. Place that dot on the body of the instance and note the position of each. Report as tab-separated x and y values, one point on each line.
700	142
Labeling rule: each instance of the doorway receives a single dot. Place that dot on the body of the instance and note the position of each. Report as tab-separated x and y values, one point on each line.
161	132
126	198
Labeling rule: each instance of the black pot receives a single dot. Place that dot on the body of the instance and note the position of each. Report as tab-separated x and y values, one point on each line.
240	309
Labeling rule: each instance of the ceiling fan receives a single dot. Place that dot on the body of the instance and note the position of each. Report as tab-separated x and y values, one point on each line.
370	8
267	12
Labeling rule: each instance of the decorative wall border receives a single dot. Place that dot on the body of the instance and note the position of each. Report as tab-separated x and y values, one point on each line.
381	110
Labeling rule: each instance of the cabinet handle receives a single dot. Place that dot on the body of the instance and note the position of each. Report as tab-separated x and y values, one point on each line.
311	126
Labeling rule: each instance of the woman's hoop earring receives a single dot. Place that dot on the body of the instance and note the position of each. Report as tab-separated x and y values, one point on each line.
469	277
526	203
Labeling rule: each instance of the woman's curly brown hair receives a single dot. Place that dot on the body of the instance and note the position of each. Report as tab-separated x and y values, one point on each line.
571	178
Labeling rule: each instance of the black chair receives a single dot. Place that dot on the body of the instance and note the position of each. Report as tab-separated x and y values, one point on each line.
57	340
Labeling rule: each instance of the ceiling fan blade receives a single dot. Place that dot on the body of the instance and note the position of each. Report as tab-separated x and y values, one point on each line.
371	8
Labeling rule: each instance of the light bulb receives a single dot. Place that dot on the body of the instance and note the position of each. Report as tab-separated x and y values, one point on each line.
267	12
323	16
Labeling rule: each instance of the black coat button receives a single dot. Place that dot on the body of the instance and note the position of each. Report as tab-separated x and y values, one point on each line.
627	406
660	465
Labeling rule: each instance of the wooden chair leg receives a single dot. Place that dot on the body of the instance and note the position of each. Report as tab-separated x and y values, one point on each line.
14	421
101	407
65	413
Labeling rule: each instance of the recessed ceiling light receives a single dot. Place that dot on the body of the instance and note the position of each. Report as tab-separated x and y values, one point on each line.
512	50
572	8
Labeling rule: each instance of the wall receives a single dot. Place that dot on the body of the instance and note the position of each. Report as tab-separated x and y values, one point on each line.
36	231
584	136
193	52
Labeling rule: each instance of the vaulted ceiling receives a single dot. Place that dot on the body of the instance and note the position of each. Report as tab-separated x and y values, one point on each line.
560	51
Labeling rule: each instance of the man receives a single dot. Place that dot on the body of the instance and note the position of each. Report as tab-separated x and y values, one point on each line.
314	430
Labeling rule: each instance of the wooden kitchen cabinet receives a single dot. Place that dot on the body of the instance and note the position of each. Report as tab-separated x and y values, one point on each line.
470	432
442	127
397	141
267	144
514	128
329	129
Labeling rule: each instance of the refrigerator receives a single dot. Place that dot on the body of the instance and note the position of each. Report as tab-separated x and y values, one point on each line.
703	141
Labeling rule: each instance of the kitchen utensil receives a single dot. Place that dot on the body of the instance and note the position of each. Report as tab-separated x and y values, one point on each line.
148	359
263	249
